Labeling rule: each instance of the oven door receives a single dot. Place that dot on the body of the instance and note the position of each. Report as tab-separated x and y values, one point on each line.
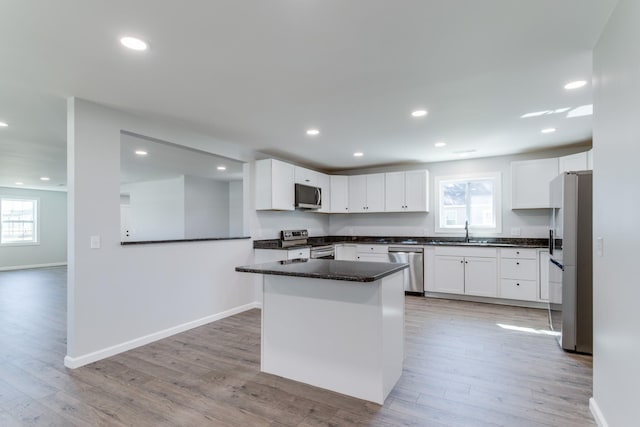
323	252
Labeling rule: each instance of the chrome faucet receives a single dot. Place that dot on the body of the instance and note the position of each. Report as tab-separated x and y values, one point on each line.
466	231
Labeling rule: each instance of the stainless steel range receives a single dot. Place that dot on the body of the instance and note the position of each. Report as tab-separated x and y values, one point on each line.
293	237
289	238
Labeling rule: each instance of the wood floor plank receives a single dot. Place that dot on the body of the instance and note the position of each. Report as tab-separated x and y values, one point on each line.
461	369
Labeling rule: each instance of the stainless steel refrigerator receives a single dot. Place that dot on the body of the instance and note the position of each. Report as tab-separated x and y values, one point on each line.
571	261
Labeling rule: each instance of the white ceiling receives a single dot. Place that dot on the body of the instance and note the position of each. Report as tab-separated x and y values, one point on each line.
260	73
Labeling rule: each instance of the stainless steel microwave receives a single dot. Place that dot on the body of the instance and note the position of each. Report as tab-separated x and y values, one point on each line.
308	197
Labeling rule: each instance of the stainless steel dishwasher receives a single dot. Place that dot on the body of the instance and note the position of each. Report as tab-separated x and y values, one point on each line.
414	275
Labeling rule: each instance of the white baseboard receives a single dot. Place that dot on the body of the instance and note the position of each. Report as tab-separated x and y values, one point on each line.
76	362
25	267
597	413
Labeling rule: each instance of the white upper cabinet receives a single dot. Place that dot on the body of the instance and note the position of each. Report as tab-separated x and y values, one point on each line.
366	193
306	176
590	159
573	162
274	185
407	191
324	182
339	194
530	183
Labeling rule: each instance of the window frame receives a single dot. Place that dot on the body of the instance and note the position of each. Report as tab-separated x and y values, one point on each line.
36	221
497	203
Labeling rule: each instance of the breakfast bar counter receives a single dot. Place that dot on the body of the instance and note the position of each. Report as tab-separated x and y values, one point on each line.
337	325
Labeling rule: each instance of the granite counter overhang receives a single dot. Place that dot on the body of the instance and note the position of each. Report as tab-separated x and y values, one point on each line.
327	269
410	241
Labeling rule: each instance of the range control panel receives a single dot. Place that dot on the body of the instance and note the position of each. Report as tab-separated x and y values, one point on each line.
287	235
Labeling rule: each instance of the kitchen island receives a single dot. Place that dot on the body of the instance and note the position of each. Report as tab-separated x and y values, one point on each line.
338	325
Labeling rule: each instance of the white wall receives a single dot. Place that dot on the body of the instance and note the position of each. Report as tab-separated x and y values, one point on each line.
157	209
616	145
123	296
206	207
52	249
532	222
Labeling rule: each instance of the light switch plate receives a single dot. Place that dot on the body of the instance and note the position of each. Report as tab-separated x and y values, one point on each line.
95	242
600	246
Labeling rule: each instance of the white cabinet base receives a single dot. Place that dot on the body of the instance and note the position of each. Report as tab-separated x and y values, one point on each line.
342	336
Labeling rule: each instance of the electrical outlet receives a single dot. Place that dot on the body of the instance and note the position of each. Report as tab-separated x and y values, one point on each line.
515	231
95	242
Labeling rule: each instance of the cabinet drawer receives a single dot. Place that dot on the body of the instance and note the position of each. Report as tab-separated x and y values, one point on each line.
466	251
518	253
373	249
525	290
524	269
299	253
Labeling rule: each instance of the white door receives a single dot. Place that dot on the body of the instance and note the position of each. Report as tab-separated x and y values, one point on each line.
415	191
358	193
339	194
394	192
375	192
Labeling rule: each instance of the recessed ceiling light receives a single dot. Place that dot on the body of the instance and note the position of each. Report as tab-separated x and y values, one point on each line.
313	132
548	130
419	113
134	43
358	154
575	85
19	183
535	114
222	168
583	110
440	144
44	178
3	125
141	153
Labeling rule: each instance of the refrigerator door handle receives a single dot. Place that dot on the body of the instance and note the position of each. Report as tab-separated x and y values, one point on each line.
550	242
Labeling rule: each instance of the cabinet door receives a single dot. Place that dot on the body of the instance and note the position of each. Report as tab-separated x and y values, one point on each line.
358	193
375	192
394	199
449	274
339	194
269	255
274	185
306	176
416	196
481	277
324	182
573	162
544	275
530	183
346	253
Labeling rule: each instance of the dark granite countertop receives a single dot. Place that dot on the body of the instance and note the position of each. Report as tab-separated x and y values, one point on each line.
205	239
405	240
327	269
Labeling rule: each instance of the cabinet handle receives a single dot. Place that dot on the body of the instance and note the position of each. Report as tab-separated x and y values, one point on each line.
518	252
517	284
461	261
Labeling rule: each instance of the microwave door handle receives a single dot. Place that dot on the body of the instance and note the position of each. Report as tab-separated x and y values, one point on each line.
550	242
318	196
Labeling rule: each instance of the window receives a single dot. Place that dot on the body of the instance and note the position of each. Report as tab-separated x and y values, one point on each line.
18	221
473	198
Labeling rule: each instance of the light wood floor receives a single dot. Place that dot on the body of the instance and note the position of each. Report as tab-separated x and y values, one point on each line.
461	369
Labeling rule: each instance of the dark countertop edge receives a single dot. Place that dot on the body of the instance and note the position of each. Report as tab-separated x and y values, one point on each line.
207	239
496	242
369	278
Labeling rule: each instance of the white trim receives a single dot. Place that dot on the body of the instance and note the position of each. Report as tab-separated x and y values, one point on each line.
597	413
76	362
26	267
